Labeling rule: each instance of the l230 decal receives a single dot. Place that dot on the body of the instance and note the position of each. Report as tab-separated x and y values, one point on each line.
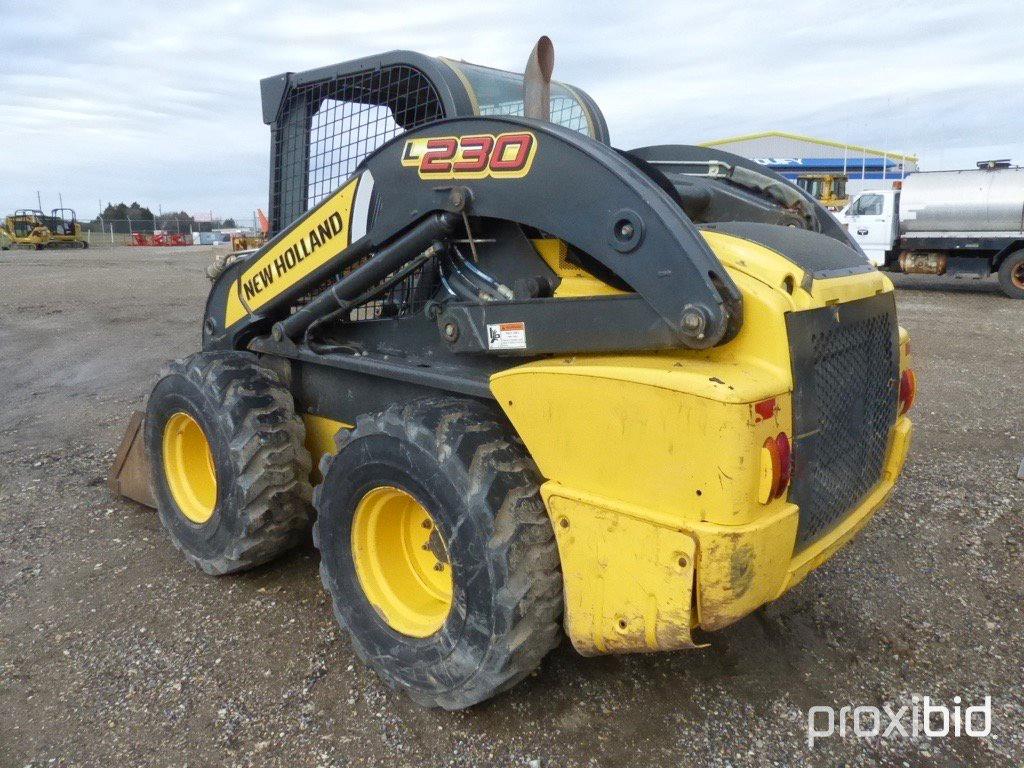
477	156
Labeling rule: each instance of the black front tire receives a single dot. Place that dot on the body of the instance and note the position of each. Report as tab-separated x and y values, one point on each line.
478	483
262	467
1011	275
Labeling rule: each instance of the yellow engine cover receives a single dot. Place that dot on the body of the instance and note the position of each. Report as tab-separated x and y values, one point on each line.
654	464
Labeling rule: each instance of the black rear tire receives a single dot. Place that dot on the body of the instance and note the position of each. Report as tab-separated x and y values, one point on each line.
1011	275
261	465
478	483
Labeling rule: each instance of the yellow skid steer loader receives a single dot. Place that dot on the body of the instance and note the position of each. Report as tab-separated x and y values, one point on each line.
518	380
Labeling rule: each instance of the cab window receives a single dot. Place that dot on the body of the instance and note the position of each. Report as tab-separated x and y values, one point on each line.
811	186
867	205
497	92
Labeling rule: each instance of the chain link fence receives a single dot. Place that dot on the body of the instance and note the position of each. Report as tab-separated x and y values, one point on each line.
102	232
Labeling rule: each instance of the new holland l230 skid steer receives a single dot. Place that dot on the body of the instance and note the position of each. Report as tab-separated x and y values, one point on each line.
515	379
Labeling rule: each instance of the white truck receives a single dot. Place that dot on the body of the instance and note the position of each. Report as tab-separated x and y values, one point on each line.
963	223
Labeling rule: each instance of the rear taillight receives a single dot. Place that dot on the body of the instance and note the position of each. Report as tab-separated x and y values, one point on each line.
776	467
908	390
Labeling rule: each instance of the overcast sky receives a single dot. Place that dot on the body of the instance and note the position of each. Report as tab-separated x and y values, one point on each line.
159	102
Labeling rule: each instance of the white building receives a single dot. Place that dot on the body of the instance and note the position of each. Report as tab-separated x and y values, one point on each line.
794	156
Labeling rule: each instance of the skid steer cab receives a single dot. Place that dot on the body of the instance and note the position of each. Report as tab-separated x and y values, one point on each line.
518	381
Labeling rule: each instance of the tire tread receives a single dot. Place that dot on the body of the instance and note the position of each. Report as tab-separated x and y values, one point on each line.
266	439
467	438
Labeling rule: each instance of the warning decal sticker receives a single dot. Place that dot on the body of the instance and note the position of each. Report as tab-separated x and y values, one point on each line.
506	336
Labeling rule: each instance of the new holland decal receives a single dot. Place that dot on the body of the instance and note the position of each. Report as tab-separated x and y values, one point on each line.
478	156
309	244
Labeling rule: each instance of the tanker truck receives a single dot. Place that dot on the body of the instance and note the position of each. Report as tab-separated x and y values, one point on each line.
966	223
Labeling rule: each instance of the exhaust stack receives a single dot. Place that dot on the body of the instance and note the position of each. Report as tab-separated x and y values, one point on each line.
537	80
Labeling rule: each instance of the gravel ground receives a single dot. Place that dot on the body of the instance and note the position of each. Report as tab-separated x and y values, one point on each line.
114	652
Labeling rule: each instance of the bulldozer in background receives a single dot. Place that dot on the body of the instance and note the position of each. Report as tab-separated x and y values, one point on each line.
34	229
246	242
518	380
65	231
829	189
252	240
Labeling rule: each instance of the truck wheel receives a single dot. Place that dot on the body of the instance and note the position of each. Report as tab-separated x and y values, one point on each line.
229	470
1011	275
437	551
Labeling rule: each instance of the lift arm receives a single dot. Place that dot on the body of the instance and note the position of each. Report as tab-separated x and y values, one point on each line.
416	188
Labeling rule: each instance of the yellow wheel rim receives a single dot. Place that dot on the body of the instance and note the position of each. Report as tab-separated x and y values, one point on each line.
402	561
188	467
1017	275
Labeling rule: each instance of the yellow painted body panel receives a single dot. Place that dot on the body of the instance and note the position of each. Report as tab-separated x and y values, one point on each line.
647	455
617	562
773	269
648	441
320	432
295	255
575	281
628	581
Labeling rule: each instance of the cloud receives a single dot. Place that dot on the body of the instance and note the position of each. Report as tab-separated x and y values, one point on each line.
159	102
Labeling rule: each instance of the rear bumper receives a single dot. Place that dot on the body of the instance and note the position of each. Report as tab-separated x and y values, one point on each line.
828	545
746	570
641	581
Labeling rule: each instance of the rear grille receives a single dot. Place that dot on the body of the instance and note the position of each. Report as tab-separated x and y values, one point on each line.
846	380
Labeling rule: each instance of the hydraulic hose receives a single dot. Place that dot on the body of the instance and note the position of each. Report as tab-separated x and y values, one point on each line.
386	260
